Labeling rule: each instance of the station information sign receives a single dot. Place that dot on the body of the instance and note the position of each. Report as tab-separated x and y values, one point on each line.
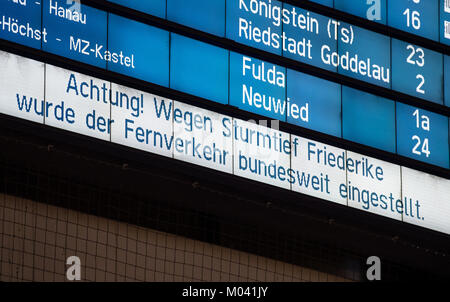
270	25
104	110
171	60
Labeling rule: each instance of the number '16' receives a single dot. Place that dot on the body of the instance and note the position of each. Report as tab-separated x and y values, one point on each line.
412	17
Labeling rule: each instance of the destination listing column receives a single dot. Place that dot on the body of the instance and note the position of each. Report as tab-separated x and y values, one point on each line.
76	31
20	22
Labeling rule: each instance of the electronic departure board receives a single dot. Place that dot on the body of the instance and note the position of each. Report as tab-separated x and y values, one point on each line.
327	93
96	37
97	108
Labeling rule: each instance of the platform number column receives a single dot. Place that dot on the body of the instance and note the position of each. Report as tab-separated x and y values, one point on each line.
421	146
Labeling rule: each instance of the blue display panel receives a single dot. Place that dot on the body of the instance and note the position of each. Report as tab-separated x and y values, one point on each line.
147	61
270	25
324	2
415	16
417	71
373	10
205	15
305	42
76	31
204	70
152	7
444	8
199	68
422	135
319	98
447	80
259	87
368	119
21	23
363	55
256	23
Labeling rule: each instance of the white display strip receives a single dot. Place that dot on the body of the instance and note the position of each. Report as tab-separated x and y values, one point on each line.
22	87
77	103
141	120
105	110
319	170
199	137
373	185
261	153
426	200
